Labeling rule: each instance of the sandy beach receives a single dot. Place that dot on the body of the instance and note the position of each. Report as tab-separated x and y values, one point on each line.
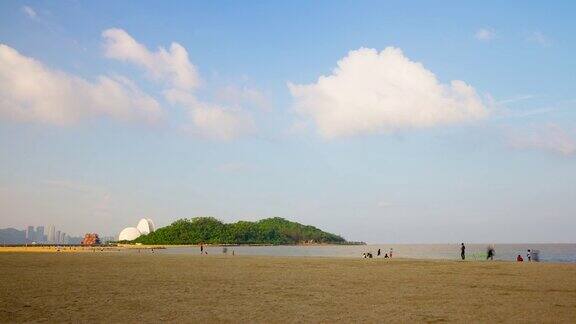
131	287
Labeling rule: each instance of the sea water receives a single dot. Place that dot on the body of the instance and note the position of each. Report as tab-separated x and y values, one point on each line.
547	252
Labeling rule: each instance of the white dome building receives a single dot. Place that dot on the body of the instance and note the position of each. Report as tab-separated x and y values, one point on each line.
145	226
129	234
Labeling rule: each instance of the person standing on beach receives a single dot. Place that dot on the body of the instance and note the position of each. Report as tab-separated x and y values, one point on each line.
490	254
390	253
529	255
379	252
201	249
463	251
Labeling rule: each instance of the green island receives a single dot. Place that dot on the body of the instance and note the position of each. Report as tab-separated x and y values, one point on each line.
209	230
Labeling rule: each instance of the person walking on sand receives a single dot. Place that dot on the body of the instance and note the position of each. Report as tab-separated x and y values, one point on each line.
201	249
490	254
378	252
529	255
463	251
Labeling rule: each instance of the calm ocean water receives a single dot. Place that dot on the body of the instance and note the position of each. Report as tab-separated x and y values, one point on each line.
547	252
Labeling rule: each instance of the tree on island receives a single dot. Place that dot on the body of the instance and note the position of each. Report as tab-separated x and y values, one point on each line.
209	230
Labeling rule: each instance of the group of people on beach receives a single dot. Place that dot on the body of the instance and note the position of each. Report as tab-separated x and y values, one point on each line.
532	255
368	255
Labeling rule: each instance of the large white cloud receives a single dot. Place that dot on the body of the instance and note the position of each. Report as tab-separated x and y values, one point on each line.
29	91
171	66
371	92
173	69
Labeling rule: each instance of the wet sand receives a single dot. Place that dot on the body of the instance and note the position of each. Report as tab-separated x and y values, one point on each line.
146	287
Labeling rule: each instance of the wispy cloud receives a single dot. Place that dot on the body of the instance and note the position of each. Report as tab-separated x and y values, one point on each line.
539	38
384	204
550	138
169	65
485	34
514	99
29	12
180	77
245	95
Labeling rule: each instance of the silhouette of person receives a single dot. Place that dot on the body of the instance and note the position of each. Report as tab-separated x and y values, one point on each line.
529	255
463	251
378	252
490	254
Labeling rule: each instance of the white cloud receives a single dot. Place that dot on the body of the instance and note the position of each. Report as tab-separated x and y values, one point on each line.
210	120
371	92
550	138
485	34
29	91
539	38
171	66
28	11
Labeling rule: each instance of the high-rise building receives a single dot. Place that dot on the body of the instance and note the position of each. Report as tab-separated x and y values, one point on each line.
57	237
62	238
30	234
51	234
40	234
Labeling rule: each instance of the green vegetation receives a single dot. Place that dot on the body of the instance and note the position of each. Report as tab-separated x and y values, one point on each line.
208	230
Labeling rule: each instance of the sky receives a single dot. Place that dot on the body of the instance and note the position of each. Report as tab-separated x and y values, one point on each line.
382	121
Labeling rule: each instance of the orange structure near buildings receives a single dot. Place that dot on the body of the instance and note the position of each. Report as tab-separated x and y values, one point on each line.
91	239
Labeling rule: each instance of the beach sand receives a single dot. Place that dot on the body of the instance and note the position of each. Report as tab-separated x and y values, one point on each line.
146	287
56	249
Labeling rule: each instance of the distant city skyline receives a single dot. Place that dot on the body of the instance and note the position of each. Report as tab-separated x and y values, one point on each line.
381	121
37	235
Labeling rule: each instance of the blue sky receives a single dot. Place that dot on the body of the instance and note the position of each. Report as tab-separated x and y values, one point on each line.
99	127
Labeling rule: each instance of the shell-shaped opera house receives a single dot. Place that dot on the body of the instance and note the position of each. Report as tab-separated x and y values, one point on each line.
145	226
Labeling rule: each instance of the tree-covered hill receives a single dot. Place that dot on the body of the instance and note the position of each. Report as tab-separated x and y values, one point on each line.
208	230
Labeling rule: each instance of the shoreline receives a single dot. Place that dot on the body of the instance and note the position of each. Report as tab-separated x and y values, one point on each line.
120	249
